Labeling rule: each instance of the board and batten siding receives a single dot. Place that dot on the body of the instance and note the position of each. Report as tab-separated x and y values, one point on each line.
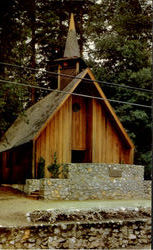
79	124
107	144
16	164
56	137
4	169
90	129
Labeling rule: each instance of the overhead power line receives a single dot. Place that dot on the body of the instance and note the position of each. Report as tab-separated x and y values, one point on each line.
86	79
76	94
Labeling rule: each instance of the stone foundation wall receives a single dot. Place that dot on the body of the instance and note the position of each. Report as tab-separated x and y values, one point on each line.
81	228
31	185
147	189
94	181
55	189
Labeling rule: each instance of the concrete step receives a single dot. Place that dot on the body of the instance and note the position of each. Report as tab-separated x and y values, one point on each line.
34	195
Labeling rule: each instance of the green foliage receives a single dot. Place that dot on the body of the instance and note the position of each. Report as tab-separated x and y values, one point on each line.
121	32
41	167
58	170
33	34
13	50
54	167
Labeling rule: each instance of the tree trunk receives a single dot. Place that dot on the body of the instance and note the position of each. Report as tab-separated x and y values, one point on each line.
33	49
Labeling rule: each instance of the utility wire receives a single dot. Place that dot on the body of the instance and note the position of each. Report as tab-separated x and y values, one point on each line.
152	133
86	79
82	95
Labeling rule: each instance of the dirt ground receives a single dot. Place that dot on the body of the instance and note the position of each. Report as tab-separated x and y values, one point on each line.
14	206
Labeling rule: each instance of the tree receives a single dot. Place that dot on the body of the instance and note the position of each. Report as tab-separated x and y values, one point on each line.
10	36
122	39
53	17
33	33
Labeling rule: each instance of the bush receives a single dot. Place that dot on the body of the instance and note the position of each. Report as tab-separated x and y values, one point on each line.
58	170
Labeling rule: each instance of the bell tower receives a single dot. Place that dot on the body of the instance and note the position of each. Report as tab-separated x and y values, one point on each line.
71	63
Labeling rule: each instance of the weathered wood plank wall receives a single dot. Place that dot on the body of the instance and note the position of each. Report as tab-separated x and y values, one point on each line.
16	164
89	129
56	137
107	144
79	124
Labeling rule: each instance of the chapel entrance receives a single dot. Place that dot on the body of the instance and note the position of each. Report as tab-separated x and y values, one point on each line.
78	156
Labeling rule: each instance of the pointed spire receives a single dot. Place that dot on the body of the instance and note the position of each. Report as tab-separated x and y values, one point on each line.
72	24
72	47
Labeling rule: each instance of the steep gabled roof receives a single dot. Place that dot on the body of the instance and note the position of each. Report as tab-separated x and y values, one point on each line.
25	127
28	127
108	107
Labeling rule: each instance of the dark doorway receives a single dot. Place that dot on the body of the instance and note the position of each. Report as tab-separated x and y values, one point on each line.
78	156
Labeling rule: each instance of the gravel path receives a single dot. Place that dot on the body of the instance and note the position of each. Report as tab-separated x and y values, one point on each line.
14	206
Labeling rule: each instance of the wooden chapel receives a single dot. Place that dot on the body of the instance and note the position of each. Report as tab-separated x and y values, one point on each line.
66	122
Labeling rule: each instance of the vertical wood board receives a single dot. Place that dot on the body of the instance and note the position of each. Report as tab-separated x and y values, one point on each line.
107	145
79	119
56	137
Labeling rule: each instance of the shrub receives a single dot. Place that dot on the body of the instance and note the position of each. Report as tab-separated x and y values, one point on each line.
58	170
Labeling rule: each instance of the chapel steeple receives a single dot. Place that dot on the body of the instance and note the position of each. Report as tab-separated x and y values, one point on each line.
72	47
71	63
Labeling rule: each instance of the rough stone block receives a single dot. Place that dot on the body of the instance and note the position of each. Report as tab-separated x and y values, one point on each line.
94	181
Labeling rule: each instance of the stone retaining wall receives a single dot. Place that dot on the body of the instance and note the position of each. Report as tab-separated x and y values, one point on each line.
31	185
81	229
94	181
89	214
98	235
147	189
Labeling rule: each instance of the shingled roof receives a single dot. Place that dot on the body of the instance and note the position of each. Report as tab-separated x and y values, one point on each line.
72	47
27	126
